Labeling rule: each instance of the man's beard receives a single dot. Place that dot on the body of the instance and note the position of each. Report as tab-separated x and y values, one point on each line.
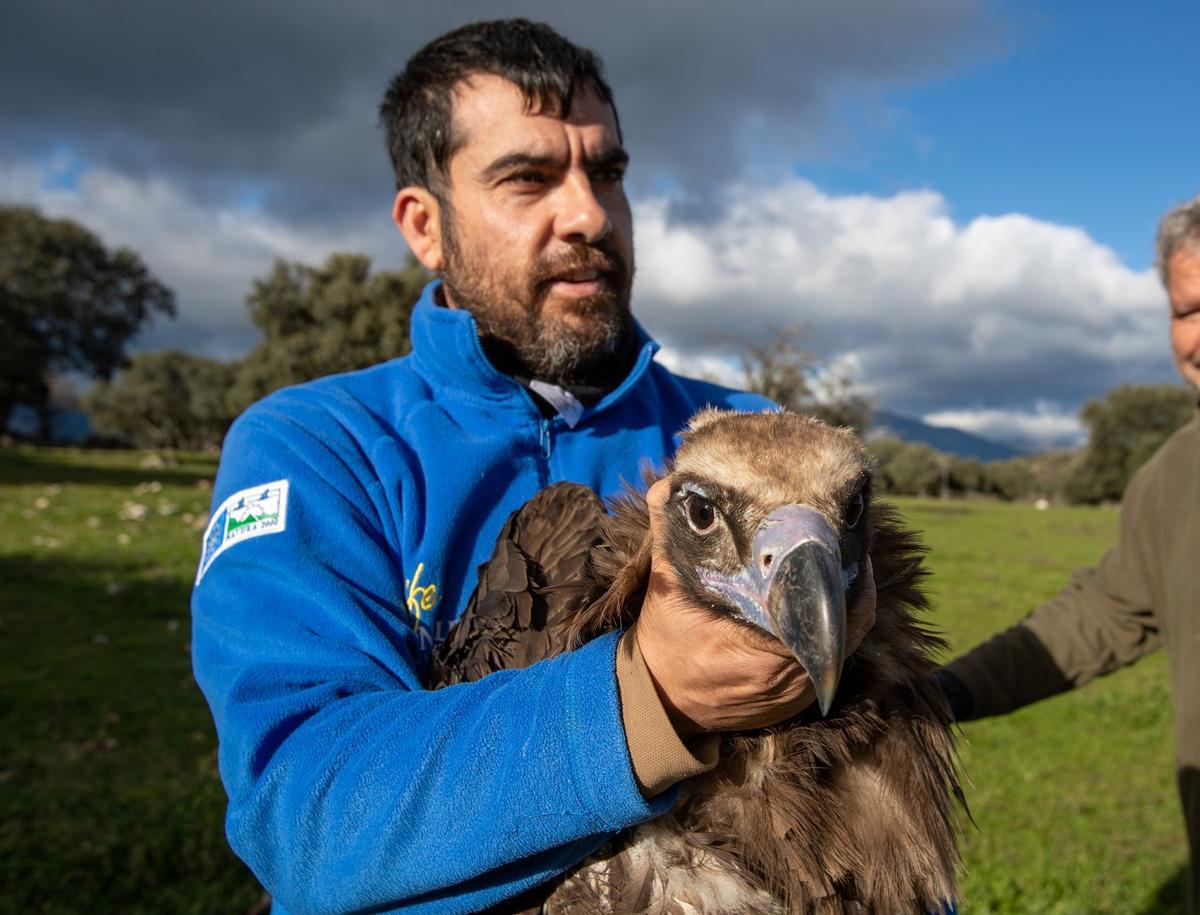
509	311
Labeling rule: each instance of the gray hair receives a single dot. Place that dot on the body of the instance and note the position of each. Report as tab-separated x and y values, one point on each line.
1179	228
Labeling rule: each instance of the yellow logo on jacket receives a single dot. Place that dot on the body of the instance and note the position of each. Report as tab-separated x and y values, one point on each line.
421	598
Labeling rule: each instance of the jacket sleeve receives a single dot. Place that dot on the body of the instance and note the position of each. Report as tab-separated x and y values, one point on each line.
1103	620
350	787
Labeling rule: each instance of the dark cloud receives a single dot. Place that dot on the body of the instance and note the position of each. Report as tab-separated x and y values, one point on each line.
276	101
916	363
261	117
923	380
924	367
224	343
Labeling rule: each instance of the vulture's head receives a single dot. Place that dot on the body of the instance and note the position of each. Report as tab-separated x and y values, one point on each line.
767	522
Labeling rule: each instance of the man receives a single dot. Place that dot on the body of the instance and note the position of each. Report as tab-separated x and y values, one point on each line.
350	515
1145	591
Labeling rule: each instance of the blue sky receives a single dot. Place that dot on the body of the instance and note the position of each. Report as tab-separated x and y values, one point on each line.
957	198
1086	115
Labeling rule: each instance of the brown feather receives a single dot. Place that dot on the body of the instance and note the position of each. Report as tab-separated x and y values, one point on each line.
852	813
519	610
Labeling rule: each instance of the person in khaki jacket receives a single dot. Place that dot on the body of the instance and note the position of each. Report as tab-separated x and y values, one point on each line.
1144	593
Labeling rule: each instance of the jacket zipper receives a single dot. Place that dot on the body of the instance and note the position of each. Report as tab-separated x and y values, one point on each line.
545	449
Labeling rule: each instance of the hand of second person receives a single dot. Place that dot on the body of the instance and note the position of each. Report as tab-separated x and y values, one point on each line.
714	674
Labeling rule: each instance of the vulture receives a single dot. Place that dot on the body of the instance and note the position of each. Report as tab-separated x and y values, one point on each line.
848	807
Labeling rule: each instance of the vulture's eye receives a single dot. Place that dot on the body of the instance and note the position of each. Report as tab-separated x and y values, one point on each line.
854	510
700	513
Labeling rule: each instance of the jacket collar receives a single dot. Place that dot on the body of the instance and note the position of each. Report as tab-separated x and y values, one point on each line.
448	354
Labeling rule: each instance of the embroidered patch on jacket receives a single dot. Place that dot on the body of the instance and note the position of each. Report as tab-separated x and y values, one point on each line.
253	512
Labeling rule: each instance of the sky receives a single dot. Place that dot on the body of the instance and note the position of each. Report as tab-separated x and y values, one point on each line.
956	198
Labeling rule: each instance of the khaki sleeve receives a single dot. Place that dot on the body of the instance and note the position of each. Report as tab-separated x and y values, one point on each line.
1009	670
659	757
1103	620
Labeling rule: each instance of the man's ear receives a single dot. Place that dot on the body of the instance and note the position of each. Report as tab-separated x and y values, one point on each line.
418	216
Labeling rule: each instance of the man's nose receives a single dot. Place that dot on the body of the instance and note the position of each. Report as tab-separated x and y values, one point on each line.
581	216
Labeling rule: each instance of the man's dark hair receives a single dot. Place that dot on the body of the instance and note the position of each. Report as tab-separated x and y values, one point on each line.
417	109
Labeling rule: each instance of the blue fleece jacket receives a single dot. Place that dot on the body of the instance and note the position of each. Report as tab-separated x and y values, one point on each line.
349	517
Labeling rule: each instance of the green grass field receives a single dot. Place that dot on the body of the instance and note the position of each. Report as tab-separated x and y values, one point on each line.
109	800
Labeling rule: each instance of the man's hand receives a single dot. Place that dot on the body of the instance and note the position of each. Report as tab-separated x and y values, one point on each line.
713	674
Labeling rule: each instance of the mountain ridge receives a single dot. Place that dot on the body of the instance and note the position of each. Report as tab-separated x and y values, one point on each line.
946	439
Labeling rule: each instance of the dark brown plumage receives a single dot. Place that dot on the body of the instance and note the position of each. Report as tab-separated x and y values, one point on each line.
848	813
529	590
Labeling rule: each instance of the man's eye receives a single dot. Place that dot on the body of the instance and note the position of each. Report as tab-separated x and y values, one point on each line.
609	176
527	178
701	514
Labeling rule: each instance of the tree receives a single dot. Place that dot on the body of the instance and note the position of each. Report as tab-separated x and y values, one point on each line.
907	468
1050	470
166	399
320	320
1125	428
793	377
1009	480
963	475
66	304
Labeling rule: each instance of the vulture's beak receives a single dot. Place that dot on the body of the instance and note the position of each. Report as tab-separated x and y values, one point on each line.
798	556
795	589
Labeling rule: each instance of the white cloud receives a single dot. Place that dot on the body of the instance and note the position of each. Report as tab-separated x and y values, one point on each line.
995	314
978	321
208	254
709	366
1046	426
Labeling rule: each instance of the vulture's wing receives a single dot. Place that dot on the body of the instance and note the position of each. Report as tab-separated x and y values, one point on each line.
518	612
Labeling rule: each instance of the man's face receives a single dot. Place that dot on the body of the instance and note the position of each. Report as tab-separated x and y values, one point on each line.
1183	289
537	235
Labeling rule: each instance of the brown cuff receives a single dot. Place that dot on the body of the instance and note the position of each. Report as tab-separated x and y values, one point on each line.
659	757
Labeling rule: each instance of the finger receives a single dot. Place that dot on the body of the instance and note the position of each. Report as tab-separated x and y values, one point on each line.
864	603
858	631
754	641
862	613
656	500
657	495
869	591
